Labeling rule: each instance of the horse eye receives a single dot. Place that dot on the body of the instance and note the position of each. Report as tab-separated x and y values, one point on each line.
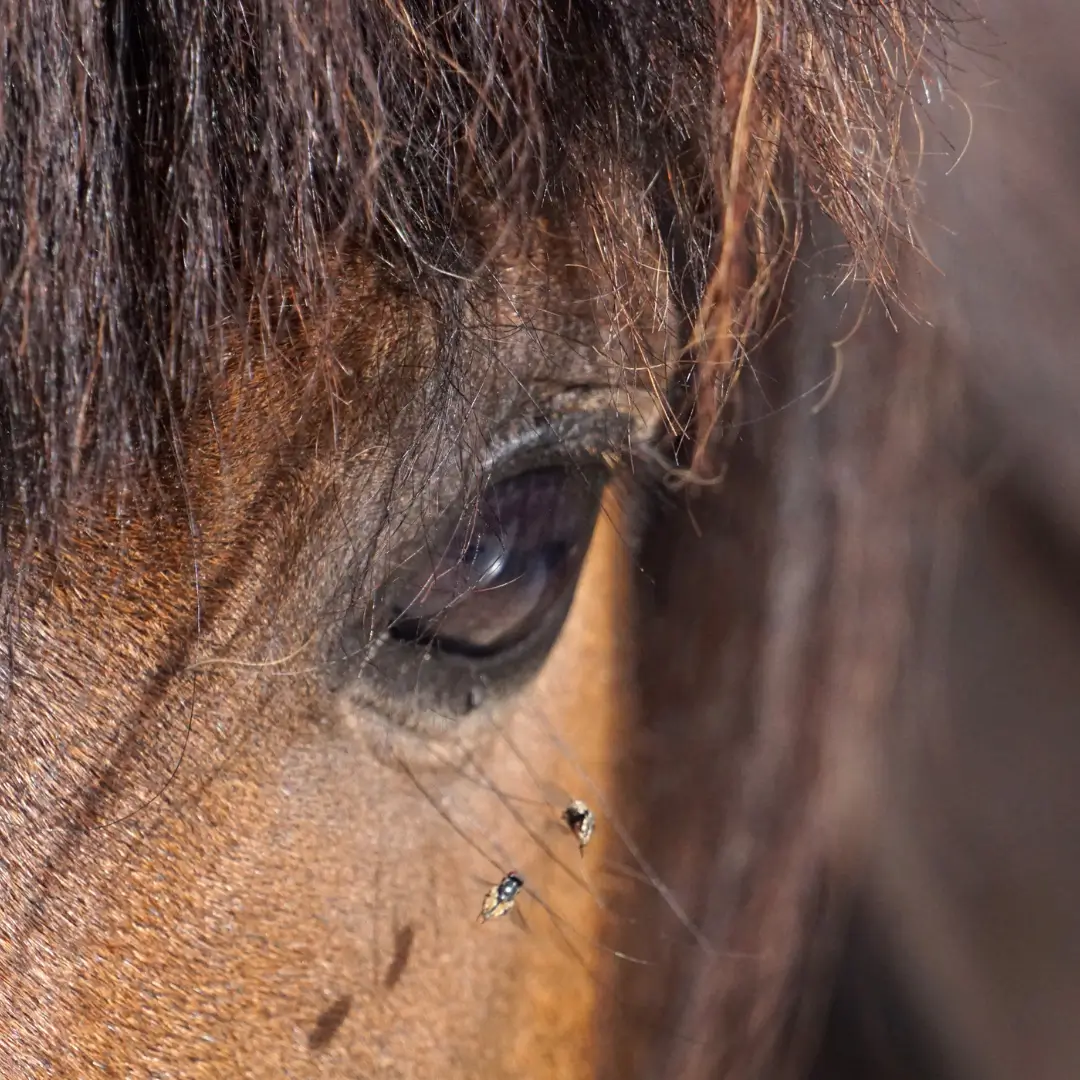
473	606
490	578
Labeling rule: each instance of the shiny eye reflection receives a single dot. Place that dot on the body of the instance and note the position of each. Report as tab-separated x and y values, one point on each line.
488	579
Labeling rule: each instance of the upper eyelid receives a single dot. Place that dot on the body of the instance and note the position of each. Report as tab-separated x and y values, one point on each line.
587	436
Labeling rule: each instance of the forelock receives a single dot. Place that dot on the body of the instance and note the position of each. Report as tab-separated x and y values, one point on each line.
169	167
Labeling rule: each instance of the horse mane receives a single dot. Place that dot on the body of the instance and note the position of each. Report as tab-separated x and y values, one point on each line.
169	168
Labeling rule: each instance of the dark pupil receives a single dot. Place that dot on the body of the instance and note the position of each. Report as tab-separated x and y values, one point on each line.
485	580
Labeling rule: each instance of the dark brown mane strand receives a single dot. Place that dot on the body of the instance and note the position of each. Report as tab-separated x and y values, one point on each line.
164	165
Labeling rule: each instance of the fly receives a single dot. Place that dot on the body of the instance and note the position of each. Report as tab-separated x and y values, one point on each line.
581	821
501	898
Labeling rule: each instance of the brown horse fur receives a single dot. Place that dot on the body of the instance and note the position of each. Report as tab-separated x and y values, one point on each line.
278	281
